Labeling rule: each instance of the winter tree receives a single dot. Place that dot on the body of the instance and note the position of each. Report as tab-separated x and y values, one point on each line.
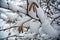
29	19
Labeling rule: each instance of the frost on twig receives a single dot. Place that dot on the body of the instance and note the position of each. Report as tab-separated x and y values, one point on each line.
29	20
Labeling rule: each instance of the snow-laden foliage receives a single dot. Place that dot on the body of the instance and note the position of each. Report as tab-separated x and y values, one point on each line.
29	19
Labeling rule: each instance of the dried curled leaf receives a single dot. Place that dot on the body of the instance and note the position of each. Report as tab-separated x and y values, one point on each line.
35	4
20	29
34	8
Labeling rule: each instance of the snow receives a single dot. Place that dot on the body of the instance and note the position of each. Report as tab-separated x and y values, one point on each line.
58	6
27	24
44	36
8	14
3	16
32	14
34	26
1	20
3	34
30	1
39	27
58	1
23	4
2	24
18	23
4	3
12	16
41	14
29	35
46	27
55	15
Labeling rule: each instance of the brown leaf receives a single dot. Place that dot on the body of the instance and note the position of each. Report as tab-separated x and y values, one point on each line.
10	21
32	5
20	29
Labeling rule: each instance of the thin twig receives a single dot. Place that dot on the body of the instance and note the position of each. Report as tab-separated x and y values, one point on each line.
54	6
11	36
14	26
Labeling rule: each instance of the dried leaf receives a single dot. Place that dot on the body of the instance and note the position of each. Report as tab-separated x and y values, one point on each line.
20	29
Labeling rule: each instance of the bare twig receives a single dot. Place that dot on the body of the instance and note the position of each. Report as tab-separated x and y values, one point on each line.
11	36
54	6
14	26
